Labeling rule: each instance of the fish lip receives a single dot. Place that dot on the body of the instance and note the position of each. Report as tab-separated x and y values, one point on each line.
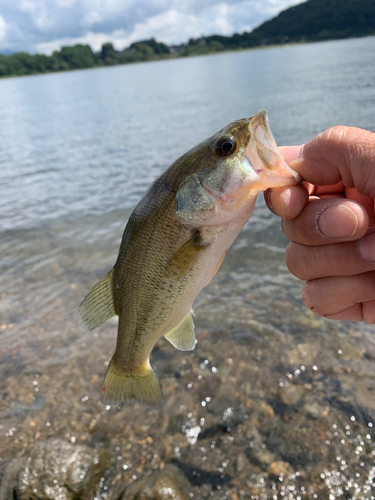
268	143
261	118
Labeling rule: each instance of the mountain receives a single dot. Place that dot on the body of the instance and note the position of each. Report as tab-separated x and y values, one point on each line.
319	20
309	21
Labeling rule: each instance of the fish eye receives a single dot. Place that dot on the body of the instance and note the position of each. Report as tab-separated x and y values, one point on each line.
225	147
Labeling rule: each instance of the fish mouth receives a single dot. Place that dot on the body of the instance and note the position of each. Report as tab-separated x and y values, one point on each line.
259	127
263	155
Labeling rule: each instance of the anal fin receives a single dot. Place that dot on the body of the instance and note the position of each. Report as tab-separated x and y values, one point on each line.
98	305
182	337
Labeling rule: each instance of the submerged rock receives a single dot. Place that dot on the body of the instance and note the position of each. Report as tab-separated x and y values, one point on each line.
261	457
54	470
291	394
279	468
166	484
18	408
241	462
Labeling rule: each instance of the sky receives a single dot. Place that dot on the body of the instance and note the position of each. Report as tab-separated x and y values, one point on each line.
46	25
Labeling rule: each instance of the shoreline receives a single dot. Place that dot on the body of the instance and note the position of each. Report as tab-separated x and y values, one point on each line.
173	57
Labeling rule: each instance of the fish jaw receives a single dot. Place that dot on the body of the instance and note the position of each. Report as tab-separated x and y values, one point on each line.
264	158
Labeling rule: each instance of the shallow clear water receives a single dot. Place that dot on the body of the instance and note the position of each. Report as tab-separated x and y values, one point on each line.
77	151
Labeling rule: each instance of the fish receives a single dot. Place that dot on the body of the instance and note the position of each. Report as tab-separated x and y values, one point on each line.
173	245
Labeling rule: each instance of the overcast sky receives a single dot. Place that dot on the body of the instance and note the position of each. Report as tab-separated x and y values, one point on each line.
45	25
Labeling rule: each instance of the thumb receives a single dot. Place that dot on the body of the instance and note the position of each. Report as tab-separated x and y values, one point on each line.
339	154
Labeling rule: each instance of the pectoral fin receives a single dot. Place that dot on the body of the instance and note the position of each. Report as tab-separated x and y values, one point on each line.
98	305
182	337
185	258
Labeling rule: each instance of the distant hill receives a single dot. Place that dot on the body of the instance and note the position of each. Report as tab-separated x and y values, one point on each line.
309	21
319	20
313	20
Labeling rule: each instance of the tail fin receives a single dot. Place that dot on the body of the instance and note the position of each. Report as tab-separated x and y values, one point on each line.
142	387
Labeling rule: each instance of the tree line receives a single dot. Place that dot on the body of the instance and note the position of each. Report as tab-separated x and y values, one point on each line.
80	56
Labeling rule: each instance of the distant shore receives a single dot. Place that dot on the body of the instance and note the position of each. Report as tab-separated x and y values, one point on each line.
84	55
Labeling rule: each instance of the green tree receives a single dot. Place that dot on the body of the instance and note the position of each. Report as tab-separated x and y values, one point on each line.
197	47
216	46
78	56
108	54
4	65
21	63
158	47
138	51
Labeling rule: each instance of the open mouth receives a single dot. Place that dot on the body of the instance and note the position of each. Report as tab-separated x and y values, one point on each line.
264	156
260	129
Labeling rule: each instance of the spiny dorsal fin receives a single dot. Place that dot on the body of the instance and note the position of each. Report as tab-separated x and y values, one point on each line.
98	305
182	337
185	258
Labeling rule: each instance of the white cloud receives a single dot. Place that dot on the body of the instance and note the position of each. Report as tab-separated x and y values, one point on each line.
95	40
221	19
3	28
45	25
37	12
31	6
169	27
65	3
91	18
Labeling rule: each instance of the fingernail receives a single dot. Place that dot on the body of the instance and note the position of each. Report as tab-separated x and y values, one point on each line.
290	153
366	247
338	221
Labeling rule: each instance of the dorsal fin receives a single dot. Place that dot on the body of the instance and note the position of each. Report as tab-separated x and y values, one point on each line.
182	337
98	305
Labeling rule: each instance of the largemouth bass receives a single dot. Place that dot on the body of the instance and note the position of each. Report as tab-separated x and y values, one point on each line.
173	245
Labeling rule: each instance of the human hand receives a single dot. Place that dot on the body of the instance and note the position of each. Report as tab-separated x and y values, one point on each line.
330	221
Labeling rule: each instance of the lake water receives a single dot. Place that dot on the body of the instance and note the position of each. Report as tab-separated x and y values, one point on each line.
275	402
